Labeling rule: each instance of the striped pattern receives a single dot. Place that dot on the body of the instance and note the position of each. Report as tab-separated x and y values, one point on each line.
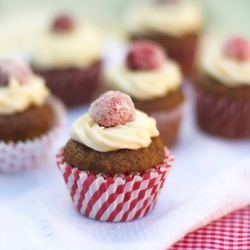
118	198
226	117
231	232
23	156
84	82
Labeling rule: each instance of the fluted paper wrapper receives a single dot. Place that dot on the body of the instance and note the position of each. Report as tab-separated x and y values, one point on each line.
26	155
115	198
223	116
73	86
168	124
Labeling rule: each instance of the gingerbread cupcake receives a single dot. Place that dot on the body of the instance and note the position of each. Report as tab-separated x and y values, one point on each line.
223	90
154	83
69	57
175	24
29	118
115	164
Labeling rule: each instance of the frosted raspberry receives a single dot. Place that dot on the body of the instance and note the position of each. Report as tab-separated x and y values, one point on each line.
237	48
63	23
111	109
14	68
145	55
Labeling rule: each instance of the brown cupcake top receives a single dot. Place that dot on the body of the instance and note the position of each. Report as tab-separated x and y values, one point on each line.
119	161
214	86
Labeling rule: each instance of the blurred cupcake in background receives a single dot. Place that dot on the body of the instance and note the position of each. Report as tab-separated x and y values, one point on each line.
222	84
69	57
175	24
29	117
154	83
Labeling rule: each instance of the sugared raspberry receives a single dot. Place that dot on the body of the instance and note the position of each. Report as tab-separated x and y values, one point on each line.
145	55
237	48
14	68
111	109
63	23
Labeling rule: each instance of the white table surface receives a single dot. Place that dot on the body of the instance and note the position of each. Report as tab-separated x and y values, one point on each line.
36	211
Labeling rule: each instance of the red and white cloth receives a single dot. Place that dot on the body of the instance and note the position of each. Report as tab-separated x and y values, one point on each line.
231	232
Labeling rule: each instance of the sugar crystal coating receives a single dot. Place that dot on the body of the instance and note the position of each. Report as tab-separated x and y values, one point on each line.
14	68
237	48
145	55
111	109
63	23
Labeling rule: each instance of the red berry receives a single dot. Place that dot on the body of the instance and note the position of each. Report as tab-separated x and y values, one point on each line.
63	23
14	68
111	109
145	55
237	48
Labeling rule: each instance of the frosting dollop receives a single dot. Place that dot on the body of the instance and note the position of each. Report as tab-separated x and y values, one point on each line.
16	97
171	19
230	72
132	135
145	85
79	48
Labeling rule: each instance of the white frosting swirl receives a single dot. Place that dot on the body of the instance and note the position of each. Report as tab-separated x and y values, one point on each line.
132	135
16	97
79	48
230	72
176	20
145	85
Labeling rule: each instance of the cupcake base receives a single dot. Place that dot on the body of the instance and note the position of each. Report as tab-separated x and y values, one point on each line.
73	86
115	198
181	49
168	123
223	116
26	155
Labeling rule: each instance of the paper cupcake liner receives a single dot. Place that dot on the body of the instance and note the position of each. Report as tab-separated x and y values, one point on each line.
223	116
73	86
115	198
22	156
183	50
168	123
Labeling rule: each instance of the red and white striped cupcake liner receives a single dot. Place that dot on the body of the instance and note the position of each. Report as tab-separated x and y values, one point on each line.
223	116
115	198
23	156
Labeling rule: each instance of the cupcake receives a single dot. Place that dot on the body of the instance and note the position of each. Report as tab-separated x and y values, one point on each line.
175	24
69	57
223	90
115	164
29	117
154	83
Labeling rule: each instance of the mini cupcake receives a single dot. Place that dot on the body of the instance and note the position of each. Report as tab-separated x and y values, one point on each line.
223	90
154	83
69	57
175	24
115	164
29	117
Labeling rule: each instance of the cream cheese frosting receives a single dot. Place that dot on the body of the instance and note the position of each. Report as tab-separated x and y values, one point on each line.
78	48
145	85
132	135
175	20
16	97
230	72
